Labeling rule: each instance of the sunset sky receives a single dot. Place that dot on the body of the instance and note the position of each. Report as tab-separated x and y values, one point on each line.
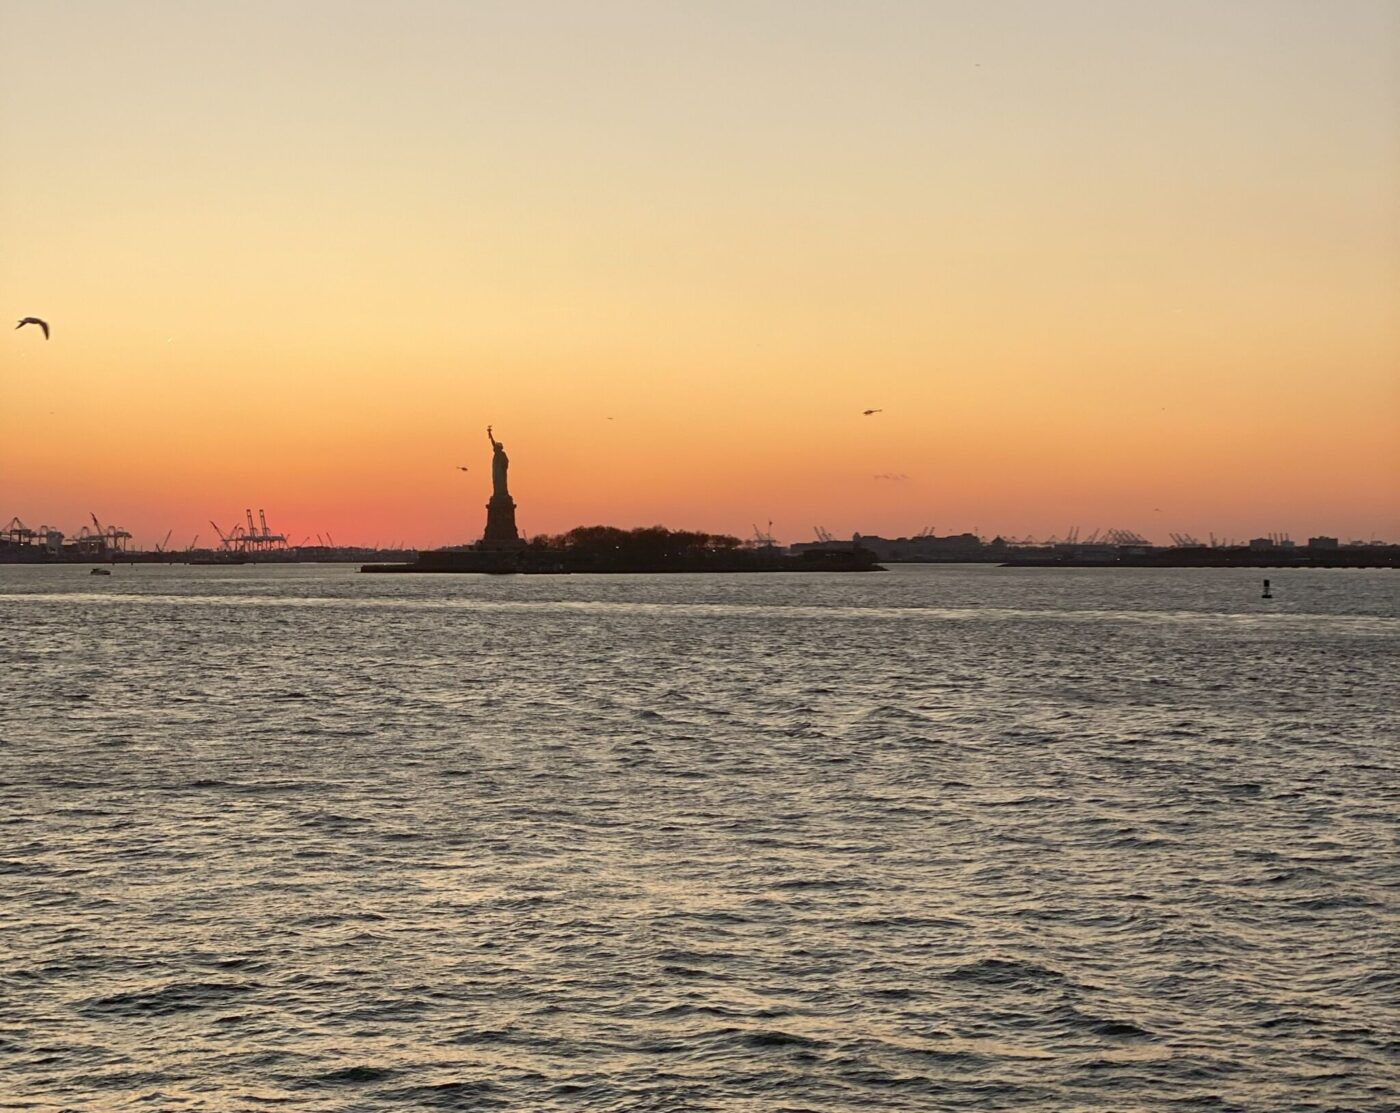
1130	265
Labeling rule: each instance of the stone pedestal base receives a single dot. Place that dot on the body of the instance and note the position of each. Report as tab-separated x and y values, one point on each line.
500	524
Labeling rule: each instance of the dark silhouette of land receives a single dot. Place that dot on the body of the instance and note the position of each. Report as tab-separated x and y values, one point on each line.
649	549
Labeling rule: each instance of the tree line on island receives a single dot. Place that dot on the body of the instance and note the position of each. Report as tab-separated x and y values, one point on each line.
647	549
658	549
644	543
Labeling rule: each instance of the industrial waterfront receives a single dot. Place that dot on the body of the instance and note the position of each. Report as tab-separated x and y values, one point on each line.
253	542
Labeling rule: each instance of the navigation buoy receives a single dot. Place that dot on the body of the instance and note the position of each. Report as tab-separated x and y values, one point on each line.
1267	593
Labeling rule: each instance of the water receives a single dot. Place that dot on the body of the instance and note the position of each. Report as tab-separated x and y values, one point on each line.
941	838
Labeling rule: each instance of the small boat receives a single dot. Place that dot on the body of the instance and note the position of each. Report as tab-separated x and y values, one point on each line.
99	572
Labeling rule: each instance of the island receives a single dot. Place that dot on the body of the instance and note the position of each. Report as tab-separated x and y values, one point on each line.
502	550
607	549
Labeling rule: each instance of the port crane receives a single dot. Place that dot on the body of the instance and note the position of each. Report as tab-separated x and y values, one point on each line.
250	538
225	540
762	539
17	533
113	538
259	538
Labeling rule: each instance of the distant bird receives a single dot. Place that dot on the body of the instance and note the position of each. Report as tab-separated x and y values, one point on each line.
34	321
461	468
867	413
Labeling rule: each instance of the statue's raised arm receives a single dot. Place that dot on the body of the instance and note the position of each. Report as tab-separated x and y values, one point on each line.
491	438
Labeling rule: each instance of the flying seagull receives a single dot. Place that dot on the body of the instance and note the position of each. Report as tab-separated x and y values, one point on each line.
35	321
459	467
867	413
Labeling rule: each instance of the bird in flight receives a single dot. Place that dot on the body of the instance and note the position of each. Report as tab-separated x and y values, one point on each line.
461	468
867	413
34	321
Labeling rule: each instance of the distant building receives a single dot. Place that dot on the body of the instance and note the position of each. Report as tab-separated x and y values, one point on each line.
1323	543
1261	544
926	547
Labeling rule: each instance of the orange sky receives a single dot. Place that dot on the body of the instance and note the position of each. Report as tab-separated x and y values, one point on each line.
1131	266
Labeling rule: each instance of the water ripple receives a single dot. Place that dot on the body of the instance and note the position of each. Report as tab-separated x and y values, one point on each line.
948	838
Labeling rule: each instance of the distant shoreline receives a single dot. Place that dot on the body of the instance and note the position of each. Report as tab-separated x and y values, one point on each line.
1378	557
563	562
823	559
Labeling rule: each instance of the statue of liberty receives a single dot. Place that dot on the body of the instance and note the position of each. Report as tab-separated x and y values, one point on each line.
500	462
501	531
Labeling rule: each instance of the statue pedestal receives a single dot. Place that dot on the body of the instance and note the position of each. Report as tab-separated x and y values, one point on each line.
501	533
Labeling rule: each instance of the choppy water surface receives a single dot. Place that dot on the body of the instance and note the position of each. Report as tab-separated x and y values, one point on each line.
941	838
